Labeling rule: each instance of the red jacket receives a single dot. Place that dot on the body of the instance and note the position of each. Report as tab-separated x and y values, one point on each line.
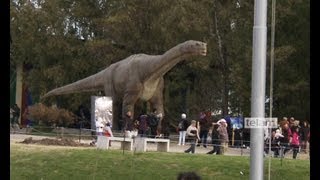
295	139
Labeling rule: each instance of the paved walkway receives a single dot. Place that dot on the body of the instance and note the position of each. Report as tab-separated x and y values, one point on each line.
152	146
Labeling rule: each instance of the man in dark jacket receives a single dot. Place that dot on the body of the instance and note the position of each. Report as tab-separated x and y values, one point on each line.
215	139
204	125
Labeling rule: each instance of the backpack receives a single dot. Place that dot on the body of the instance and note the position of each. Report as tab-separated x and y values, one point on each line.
153	121
143	124
181	125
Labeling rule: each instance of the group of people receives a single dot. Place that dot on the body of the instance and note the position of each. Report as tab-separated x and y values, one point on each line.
290	135
197	132
144	126
147	124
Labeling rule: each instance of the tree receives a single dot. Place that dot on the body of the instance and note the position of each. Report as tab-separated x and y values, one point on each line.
64	41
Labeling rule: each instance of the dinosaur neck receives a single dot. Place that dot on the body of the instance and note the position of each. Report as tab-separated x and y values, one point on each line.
164	63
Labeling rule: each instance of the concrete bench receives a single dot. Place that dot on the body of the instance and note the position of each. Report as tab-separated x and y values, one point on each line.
103	142
163	145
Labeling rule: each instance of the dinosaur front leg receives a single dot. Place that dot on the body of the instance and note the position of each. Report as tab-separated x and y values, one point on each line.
118	123
129	100
156	102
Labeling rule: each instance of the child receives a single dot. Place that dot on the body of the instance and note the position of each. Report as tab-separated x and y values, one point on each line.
108	131
295	143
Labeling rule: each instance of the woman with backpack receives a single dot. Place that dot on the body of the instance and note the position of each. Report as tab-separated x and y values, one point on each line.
182	128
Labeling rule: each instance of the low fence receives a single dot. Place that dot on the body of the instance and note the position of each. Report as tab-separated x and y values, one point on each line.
242	146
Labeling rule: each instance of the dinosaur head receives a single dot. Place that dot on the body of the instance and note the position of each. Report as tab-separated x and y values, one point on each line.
194	48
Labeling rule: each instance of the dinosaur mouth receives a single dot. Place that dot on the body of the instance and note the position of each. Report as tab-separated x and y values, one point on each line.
203	51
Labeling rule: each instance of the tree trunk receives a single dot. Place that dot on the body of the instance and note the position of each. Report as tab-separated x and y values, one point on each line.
223	62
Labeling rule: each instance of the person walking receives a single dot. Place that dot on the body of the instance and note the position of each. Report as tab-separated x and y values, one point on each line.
204	125
215	139
182	128
295	143
193	136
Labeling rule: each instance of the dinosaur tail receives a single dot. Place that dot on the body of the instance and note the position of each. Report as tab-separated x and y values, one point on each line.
89	84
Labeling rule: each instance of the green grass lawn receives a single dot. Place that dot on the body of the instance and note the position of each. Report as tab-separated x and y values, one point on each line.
37	162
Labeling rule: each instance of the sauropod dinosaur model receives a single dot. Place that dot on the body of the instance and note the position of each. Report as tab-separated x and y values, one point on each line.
138	76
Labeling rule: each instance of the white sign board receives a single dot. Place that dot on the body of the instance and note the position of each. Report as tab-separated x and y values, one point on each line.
260	122
101	108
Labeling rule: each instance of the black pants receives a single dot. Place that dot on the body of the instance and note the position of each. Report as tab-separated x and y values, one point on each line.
216	148
286	147
295	150
153	131
192	147
276	149
142	133
203	137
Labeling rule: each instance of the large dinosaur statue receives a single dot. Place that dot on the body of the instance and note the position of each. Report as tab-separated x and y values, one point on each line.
138	76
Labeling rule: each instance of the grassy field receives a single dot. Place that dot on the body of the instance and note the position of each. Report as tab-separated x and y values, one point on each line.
37	162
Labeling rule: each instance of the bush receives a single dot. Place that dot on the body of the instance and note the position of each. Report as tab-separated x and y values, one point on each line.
51	116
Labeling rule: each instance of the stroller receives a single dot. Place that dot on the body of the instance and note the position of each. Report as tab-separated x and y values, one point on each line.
275	146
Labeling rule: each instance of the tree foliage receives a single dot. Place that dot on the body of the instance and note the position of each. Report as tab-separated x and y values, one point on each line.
64	41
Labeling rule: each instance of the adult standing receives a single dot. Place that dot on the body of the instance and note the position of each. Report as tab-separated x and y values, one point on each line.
204	126
291	123
154	118
128	124
304	131
99	130
223	135
143	125
99	126
286	140
193	136
182	128
15	115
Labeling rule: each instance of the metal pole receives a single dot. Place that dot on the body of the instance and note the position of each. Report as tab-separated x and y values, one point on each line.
258	88
273	21
80	131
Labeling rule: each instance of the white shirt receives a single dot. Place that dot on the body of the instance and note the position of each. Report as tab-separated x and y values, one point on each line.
99	126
